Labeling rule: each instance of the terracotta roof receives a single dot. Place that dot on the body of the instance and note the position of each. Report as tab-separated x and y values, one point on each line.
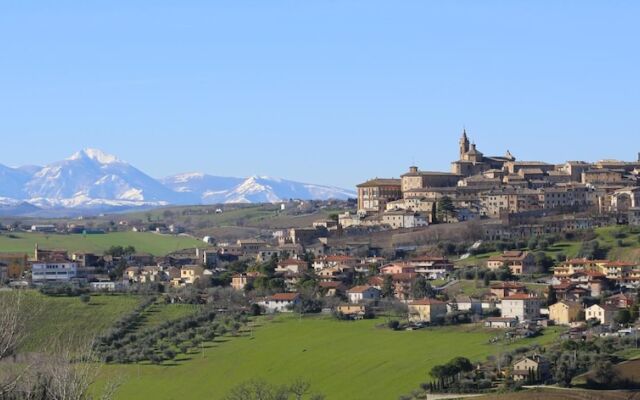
567	303
360	289
507	285
376	280
403	277
619	264
284	296
381	182
330	285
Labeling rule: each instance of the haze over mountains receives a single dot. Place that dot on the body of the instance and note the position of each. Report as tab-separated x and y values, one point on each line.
93	180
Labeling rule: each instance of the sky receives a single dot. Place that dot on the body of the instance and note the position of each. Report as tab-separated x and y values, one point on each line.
328	92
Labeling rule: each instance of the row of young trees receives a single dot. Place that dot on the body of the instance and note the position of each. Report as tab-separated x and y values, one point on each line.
451	372
165	342
125	325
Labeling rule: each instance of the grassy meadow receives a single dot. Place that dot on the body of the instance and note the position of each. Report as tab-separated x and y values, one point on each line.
69	319
144	242
623	249
344	360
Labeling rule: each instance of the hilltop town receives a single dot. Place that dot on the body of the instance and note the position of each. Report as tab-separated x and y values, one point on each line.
579	194
522	250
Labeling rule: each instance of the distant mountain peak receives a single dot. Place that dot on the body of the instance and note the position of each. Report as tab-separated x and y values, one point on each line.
185	177
92	179
96	155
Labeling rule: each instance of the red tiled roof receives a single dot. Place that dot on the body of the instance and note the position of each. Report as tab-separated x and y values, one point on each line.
507	285
403	277
376	280
330	285
619	264
360	289
426	302
284	296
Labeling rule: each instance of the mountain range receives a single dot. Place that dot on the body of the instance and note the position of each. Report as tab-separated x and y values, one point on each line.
91	180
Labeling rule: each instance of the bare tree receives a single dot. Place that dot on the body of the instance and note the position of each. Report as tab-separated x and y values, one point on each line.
64	371
299	388
12	322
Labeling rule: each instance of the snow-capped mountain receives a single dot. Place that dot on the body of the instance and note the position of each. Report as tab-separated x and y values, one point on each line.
12	182
200	185
255	189
92	179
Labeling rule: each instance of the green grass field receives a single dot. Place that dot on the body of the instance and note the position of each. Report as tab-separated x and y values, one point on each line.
144	242
344	360
69	319
159	313
476	289
630	251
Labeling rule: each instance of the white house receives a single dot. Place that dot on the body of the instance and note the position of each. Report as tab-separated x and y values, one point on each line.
603	313
520	306
404	219
293	266
500	322
466	303
280	302
359	294
53	272
105	286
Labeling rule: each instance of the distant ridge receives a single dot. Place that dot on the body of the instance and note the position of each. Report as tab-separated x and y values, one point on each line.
94	180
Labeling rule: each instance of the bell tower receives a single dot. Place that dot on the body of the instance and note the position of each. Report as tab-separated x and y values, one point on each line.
464	144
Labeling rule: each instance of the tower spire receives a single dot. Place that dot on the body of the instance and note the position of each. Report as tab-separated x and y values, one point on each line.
464	143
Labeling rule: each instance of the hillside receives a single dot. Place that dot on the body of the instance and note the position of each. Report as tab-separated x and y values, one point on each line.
344	360
622	243
144	242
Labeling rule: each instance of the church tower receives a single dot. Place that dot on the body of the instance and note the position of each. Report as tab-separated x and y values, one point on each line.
464	144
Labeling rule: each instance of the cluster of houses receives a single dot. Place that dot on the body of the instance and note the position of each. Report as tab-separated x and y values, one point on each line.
50	267
493	186
577	286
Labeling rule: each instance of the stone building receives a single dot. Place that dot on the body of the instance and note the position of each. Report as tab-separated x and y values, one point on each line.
473	162
374	194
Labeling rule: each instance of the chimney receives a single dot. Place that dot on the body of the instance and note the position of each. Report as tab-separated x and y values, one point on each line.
414	169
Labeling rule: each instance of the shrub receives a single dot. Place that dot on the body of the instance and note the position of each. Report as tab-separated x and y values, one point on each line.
394	325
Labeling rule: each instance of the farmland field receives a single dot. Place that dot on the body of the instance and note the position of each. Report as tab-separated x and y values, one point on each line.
344	360
624	248
144	242
70	319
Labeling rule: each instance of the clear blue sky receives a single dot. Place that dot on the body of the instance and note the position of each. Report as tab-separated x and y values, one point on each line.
330	92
